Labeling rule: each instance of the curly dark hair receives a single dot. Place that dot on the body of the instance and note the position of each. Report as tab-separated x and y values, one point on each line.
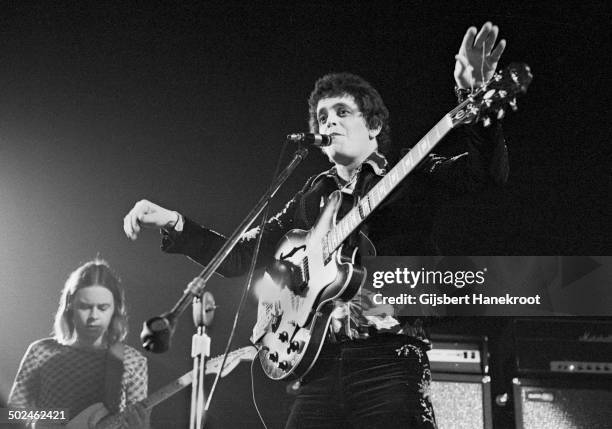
367	98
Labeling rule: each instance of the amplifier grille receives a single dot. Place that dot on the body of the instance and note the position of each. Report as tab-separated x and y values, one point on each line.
461	401
563	408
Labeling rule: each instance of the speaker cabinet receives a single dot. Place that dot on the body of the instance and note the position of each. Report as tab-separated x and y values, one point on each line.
462	401
562	404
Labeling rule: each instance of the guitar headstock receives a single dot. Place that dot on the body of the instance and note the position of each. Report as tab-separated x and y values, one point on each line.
493	99
233	359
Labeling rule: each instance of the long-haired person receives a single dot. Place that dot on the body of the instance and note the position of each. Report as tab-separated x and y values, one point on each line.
85	361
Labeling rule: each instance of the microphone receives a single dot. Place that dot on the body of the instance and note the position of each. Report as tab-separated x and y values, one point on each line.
157	332
318	140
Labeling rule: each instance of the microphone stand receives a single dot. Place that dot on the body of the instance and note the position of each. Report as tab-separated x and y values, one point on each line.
203	313
157	331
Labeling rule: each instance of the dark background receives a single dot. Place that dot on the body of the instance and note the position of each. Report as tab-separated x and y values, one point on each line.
187	104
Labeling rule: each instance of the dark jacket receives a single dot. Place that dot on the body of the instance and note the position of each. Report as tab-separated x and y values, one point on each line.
401	225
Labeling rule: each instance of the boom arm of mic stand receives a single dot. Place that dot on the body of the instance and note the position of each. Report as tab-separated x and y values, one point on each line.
299	155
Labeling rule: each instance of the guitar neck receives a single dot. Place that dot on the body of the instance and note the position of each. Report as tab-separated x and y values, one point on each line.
244	353
486	102
168	390
115	421
386	185
213	365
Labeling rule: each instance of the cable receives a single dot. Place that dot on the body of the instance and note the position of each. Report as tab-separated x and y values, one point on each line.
248	284
253	395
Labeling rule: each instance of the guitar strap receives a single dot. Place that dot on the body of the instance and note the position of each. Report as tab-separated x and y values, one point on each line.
113	377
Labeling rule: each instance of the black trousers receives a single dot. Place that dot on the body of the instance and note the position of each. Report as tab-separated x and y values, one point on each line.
380	382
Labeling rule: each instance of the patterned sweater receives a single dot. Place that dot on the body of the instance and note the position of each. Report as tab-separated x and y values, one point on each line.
53	376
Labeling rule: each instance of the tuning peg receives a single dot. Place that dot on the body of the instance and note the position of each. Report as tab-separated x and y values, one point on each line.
513	105
501	113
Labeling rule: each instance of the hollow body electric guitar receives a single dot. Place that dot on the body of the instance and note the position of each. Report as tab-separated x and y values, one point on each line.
312	270
96	416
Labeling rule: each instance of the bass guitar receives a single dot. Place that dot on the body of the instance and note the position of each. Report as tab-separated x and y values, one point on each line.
97	416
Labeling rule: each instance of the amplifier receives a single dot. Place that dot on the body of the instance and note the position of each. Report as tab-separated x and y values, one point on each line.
582	367
462	401
562	404
459	354
563	346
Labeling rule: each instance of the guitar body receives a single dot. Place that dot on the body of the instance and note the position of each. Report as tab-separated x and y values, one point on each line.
307	284
310	272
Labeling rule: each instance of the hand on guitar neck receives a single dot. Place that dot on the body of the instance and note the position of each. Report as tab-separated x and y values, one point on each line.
136	416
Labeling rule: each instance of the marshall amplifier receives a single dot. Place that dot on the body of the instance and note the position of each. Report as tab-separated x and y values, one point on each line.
560	347
562	404
461	388
563	369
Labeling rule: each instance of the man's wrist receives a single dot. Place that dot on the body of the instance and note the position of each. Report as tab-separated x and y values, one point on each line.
462	93
176	223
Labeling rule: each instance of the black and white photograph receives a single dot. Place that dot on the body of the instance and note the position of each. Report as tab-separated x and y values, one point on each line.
267	214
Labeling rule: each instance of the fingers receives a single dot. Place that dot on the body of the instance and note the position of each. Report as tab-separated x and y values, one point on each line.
463	72
136	218
497	52
130	224
468	39
478	56
135	416
142	412
132	221
463	61
128	227
149	215
486	37
491	38
483	34
483	46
